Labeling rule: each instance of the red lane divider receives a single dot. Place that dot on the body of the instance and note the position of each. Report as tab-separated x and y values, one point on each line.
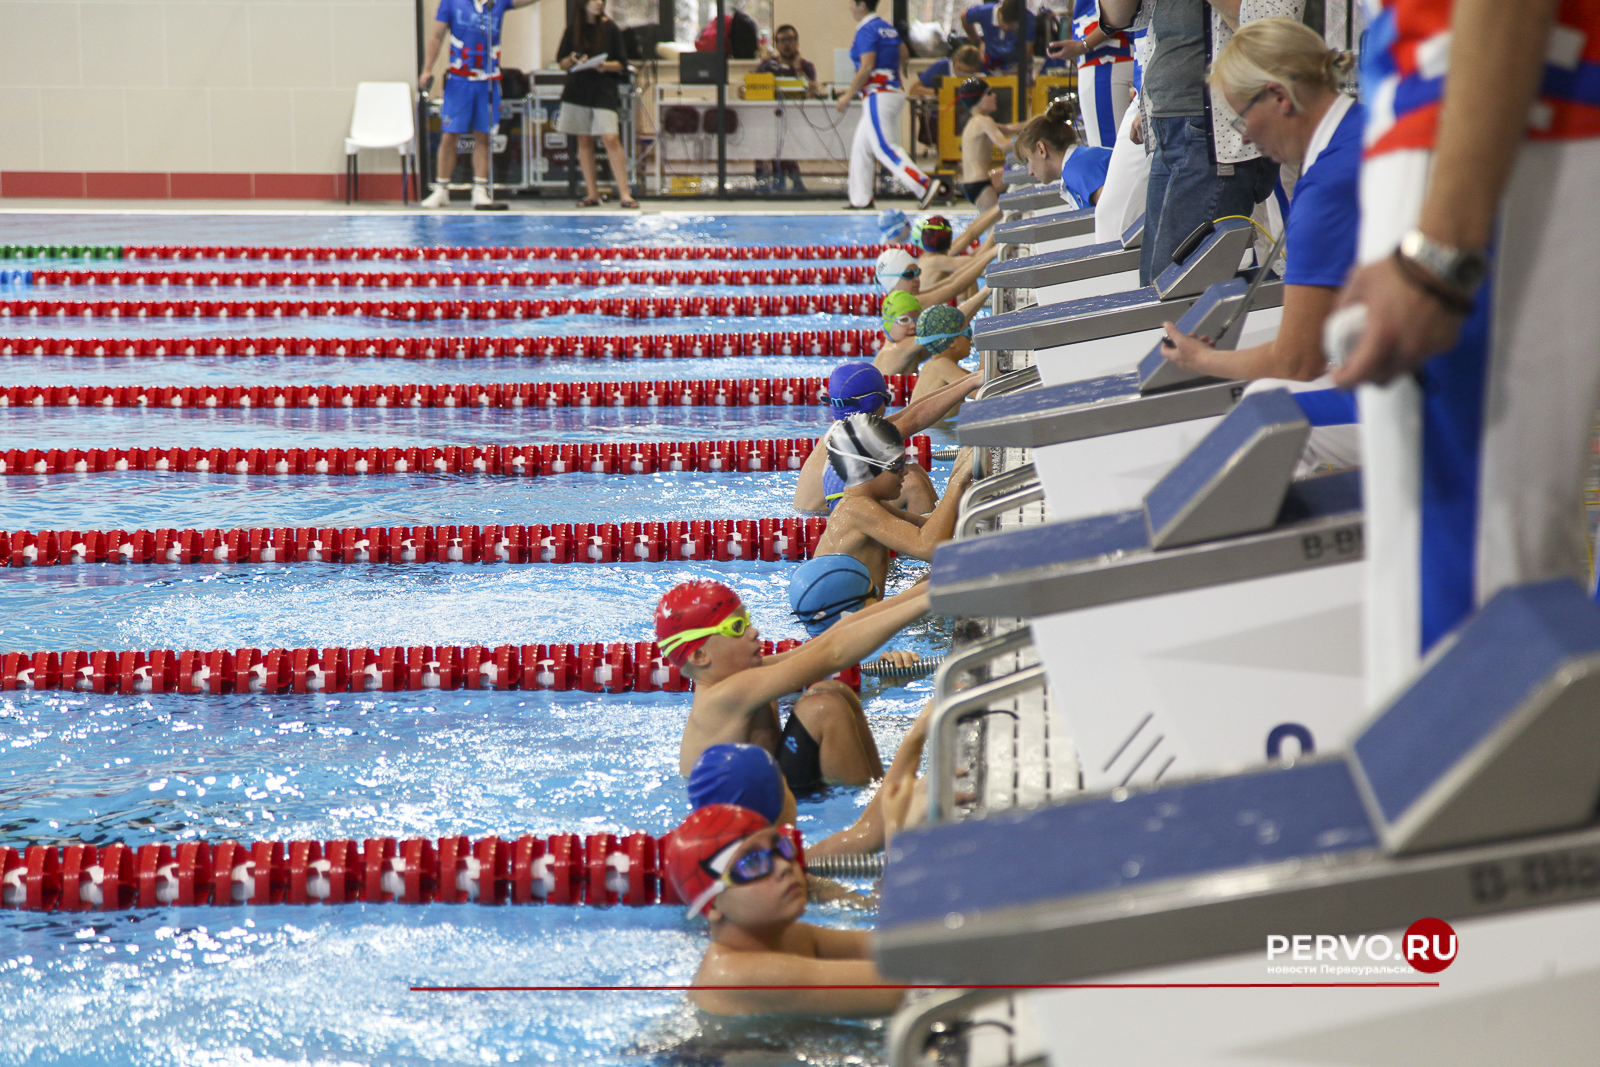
852	274
839	343
514	460
792	538
618	667
718	392
422	308
598	869
489	254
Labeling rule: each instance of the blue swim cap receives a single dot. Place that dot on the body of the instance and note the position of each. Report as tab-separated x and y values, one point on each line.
890	222
745	775
856	387
832	486
824	587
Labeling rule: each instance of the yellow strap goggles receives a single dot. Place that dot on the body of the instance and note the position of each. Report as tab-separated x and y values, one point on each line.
733	626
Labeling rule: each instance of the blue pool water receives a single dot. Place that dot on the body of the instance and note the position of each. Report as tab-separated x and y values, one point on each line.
329	985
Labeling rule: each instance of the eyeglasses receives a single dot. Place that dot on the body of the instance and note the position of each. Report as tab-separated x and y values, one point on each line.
1237	122
757	863
843	402
733	626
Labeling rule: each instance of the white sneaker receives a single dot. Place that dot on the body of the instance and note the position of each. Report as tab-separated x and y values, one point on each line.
930	192
480	194
438	198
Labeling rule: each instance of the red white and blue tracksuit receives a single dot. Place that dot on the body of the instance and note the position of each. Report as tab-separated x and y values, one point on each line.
877	138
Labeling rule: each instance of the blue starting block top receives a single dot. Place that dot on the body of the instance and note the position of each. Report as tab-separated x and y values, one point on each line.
1019	328
1106	844
1028	403
1045	227
1063	265
1032	197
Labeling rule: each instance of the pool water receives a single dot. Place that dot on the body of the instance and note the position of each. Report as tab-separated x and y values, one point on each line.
330	985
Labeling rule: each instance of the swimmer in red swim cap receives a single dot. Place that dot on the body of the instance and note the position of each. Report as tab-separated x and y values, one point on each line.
745	877
704	629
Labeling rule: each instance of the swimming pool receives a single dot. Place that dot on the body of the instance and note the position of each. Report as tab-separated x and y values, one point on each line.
329	984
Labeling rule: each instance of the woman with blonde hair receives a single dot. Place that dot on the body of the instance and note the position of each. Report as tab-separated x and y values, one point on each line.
1285	85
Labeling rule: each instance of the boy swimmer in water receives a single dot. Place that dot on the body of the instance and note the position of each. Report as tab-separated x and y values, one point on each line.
946	335
859	387
867	455
732	866
704	629
905	349
897	271
944	253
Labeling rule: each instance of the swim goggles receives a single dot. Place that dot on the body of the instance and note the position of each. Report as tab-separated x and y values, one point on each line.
733	626
924	339
756	863
847	604
854	402
912	271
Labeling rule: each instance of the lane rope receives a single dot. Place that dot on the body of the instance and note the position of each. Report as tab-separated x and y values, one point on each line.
509	460
845	343
776	539
712	392
137	277
615	667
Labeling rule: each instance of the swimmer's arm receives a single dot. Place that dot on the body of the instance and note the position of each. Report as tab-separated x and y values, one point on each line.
867	833
973	304
908	540
897	357
997	135
920	414
958	282
808	495
783	969
976	228
750	691
1296	353
834	944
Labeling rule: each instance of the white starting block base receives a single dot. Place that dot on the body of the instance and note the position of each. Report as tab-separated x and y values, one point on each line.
1121	354
1195	682
1523	989
1098	475
1119	282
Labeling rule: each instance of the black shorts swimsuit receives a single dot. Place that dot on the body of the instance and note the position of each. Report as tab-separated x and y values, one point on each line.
799	757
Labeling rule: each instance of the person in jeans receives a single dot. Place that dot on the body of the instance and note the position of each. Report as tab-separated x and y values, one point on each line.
1186	188
591	99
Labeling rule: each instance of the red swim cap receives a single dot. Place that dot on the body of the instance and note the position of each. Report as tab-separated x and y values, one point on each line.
691	852
692	606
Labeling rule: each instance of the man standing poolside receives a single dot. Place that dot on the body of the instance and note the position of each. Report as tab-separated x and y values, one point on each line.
471	88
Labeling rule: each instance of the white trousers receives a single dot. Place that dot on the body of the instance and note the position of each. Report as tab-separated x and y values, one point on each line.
1123	195
877	141
1474	469
1103	97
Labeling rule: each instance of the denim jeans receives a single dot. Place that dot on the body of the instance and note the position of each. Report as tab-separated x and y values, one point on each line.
1186	190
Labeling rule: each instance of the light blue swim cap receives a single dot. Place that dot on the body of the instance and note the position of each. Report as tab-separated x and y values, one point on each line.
741	774
826	586
890	222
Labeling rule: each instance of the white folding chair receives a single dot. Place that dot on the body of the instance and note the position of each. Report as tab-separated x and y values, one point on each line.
385	117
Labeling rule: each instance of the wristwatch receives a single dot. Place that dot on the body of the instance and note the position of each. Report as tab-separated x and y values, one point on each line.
1455	267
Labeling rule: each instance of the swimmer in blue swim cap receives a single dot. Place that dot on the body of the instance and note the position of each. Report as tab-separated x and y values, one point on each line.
826	587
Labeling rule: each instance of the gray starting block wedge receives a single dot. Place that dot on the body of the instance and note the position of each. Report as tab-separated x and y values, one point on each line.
1493	749
1228	511
1031	197
1158	394
1215	259
1014	176
1031	231
1504	744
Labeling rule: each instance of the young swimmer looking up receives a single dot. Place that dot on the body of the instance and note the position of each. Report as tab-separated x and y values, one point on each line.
897	270
948	255
734	867
904	351
859	387
867	454
703	629
946	335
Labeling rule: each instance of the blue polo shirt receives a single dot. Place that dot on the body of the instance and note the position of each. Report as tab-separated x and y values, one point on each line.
930	78
1000	47
879	41
1325	212
1083	172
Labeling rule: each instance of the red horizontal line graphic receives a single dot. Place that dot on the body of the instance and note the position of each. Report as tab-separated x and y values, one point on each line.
1043	985
838	343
